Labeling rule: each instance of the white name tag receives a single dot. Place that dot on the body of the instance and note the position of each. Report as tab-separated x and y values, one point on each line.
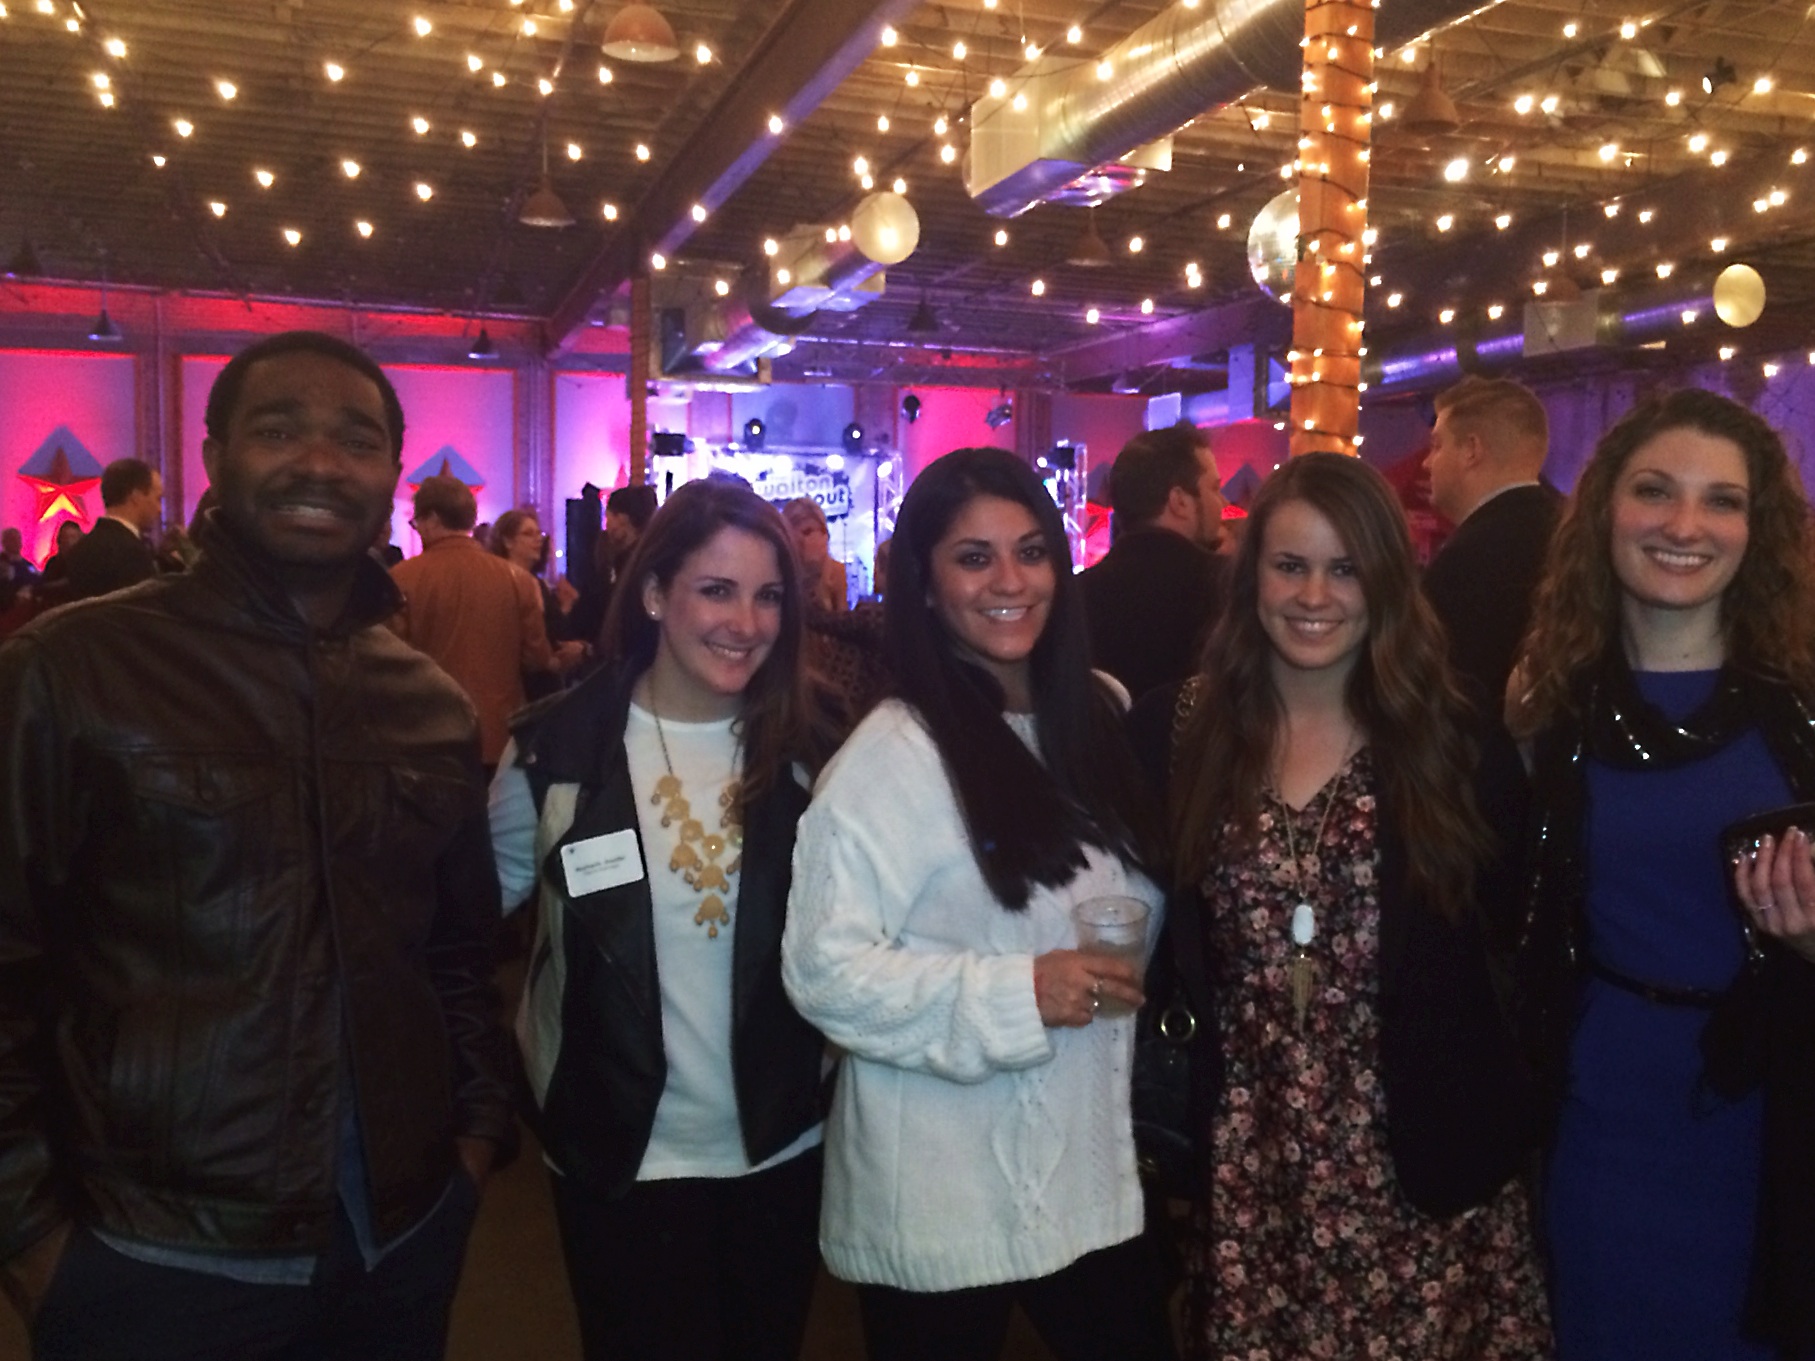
602	862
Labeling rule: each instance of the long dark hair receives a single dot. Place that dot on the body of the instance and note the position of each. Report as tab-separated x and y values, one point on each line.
1768	610
1029	817
1400	692
774	727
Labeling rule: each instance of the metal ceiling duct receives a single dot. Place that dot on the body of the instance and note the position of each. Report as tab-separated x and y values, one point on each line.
1604	319
815	269
1060	121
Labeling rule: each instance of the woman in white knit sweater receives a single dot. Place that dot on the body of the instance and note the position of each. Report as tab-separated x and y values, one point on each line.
979	1152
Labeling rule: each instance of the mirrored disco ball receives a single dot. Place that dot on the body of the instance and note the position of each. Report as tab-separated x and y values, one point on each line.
1273	245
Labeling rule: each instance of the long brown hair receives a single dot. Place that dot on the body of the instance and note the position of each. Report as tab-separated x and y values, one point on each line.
774	726
1400	692
1768	609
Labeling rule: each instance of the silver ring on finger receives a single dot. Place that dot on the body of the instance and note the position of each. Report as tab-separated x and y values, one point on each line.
1096	1002
1767	906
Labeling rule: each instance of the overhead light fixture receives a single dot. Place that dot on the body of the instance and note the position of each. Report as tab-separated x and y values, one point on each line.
482	347
1432	112
1719	74
639	33
1089	251
544	207
755	432
1000	414
104	331
924	322
853	437
910	408
24	264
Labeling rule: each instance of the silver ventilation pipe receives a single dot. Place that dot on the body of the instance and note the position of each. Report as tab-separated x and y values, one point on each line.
813	270
1603	319
751	330
1178	66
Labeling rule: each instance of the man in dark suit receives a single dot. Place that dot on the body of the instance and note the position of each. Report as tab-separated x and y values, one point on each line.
1487	452
1152	598
114	554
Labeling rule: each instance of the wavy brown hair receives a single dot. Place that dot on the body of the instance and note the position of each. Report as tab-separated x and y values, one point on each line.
1400	692
1768	610
776	725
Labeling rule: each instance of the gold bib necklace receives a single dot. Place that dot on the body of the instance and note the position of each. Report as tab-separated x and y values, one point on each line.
697	853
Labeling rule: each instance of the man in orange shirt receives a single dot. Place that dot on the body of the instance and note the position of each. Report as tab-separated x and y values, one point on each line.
478	616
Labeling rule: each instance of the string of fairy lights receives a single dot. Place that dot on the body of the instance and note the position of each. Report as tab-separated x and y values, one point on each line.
929	111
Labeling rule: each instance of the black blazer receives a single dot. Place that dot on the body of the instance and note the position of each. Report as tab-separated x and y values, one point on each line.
1481	584
1150	603
110	557
1461	1111
611	1068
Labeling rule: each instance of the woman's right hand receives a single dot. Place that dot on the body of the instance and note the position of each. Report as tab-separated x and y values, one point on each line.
1069	985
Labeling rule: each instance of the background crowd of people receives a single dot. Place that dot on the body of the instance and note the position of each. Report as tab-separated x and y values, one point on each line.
1480	902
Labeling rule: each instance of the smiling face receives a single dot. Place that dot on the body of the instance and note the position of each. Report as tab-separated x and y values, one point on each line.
1680	522
992	583
719	619
1311	603
306	473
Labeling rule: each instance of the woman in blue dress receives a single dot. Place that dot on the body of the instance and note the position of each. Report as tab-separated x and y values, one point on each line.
1667	694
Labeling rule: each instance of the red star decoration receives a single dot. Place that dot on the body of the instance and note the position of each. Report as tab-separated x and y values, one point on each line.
59	490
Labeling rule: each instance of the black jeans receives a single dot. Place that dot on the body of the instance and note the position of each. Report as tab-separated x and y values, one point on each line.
105	1306
1109	1305
697	1268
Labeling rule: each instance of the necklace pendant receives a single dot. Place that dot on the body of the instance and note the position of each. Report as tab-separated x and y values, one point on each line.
712	915
1303	981
666	787
1304	925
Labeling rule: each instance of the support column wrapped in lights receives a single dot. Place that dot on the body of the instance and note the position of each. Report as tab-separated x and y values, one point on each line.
1335	132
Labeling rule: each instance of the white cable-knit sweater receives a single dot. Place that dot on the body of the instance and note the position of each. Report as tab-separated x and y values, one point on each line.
968	1144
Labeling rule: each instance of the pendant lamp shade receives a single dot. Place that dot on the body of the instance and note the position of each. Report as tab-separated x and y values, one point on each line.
544	208
482	347
638	32
1089	250
924	322
1432	111
104	330
24	264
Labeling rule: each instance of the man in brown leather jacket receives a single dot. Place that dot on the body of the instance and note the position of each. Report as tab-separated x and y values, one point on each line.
251	1073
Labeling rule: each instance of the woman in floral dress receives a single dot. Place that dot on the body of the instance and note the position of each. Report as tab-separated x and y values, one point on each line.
1372	1110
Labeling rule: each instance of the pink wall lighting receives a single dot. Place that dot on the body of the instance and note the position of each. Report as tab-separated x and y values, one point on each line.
950	418
41	390
198	376
469	409
592	433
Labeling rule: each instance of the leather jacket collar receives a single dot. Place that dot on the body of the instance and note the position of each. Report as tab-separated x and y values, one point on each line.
236	570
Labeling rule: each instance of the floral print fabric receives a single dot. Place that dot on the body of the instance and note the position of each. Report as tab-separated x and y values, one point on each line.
1306	1249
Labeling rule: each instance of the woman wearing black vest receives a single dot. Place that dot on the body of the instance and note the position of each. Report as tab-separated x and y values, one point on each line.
678	1091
